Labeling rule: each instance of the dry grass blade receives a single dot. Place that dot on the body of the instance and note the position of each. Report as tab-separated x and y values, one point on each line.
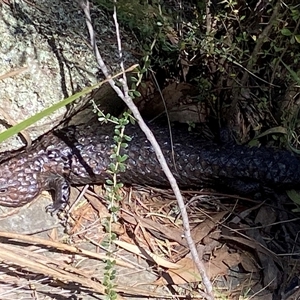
59	271
56	272
147	255
62	247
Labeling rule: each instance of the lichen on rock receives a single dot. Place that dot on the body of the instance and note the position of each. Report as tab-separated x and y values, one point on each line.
48	43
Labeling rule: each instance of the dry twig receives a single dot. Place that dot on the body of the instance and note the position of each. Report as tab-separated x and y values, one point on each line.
127	99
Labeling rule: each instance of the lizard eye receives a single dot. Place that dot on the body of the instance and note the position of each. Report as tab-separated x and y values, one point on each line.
3	190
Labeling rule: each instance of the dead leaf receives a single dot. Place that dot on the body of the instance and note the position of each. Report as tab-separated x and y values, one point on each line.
173	234
252	244
174	95
197	113
248	263
266	216
188	273
222	261
203	229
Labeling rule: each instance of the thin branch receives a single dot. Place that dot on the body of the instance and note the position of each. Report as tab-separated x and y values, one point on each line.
127	99
255	53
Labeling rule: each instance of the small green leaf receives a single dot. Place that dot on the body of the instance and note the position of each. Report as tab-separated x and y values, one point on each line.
112	167
297	38
123	158
137	93
144	70
108	181
122	168
124	145
294	196
147	64
127	138
133	79
278	49
119	185
286	32
116	139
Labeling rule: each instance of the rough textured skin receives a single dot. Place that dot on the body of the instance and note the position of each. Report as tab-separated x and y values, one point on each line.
80	155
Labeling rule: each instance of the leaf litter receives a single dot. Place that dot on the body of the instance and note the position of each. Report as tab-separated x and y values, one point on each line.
239	242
